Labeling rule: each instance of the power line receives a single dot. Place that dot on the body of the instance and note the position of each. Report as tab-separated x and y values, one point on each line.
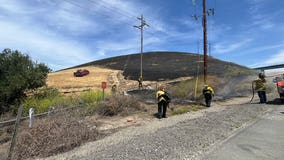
89	9
119	11
113	9
129	15
212	29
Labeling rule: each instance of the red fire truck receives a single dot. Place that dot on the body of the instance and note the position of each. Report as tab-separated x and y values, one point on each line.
280	86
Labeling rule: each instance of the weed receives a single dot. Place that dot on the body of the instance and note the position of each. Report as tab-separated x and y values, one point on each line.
91	98
41	103
182	89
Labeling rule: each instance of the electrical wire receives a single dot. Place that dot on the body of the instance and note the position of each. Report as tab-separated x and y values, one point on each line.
117	11
212	29
106	5
91	11
129	15
112	10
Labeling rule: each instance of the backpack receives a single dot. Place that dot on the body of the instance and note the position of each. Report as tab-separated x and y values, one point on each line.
167	98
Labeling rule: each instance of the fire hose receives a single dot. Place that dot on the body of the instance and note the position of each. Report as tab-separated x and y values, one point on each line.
253	93
252	87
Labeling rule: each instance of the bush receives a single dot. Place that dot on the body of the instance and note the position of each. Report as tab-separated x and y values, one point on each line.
53	135
43	105
43	99
182	89
18	73
90	98
119	105
186	89
46	92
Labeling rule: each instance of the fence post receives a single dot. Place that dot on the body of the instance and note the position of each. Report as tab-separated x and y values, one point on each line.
31	115
13	141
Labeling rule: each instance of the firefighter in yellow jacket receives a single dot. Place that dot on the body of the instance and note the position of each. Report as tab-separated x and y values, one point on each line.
114	87
259	86
163	102
208	93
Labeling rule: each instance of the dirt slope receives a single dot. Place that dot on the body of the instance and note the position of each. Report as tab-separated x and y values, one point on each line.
66	82
179	137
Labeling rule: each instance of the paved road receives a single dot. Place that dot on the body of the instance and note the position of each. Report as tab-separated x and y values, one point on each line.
264	140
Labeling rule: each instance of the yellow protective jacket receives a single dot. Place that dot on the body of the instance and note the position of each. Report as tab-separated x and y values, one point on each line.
260	84
208	89
159	96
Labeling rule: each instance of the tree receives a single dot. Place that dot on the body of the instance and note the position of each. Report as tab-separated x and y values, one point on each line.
18	74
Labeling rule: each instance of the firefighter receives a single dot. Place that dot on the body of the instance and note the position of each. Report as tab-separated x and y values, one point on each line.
163	101
259	86
208	93
140	79
114	87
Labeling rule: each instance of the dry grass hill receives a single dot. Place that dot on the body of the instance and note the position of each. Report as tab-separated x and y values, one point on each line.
157	67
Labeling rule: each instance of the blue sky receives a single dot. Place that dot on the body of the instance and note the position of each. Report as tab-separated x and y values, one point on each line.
65	33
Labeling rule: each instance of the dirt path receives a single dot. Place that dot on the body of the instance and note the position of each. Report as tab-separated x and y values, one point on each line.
177	137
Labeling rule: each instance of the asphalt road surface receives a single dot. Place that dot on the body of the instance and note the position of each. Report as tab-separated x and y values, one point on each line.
264	140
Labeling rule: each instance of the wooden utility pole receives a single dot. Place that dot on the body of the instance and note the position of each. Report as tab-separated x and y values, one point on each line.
204	25
141	27
204	22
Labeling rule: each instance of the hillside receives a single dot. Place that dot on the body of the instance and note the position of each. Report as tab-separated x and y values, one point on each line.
66	82
166	65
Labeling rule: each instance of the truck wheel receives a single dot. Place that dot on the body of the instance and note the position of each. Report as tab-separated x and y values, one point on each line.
282	98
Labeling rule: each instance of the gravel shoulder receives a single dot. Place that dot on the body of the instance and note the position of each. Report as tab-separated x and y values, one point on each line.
185	136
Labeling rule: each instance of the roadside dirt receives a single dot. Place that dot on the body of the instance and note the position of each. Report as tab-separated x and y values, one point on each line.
116	122
183	136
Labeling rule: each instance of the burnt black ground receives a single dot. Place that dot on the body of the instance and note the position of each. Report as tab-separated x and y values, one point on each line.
167	65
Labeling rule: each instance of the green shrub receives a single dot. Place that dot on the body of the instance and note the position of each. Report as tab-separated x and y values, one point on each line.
182	89
44	99
186	89
42	105
47	98
18	74
90	98
46	92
